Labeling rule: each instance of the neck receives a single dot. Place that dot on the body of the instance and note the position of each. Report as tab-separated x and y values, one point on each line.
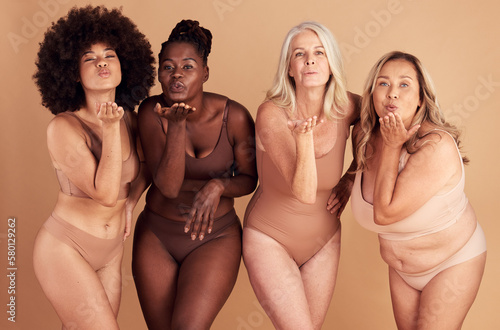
310	102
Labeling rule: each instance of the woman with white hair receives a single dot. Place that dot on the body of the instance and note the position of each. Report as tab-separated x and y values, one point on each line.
291	239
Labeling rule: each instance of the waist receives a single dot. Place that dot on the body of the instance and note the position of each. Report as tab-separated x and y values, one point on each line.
178	208
88	215
424	252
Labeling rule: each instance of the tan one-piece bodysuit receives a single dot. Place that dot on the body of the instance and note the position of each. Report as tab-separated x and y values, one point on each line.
302	229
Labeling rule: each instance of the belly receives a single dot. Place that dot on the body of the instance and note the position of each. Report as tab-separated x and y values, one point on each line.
92	217
423	253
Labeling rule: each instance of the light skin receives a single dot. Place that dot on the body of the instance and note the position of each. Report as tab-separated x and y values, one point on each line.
184	121
296	297
434	169
101	215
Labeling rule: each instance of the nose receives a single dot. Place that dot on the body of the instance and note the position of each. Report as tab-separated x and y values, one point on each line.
392	93
102	63
310	61
177	73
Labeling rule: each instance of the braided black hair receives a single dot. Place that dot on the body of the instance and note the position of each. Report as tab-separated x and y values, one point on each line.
191	32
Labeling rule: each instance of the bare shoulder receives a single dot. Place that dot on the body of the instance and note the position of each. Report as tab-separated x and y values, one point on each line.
62	125
148	104
438	144
269	113
237	112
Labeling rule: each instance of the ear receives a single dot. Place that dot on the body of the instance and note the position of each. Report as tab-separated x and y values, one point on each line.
206	74
290	73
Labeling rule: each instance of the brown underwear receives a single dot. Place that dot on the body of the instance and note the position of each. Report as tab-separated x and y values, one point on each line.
178	243
98	252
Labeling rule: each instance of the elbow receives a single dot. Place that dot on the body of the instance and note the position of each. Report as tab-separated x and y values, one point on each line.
306	198
108	202
169	192
383	218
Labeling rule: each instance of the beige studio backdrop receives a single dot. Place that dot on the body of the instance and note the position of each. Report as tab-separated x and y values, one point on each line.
457	40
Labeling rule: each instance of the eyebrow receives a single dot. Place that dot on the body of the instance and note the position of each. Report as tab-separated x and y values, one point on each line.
184	59
403	76
315	47
92	52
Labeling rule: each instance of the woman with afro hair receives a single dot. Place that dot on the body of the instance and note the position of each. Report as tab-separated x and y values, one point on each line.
201	155
93	68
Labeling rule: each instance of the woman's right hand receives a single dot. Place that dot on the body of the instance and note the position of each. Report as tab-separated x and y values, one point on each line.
109	112
176	113
303	126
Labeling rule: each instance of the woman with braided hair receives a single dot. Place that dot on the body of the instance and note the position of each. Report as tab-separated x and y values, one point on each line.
199	148
93	68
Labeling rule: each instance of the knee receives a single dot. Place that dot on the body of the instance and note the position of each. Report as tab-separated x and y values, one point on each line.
190	322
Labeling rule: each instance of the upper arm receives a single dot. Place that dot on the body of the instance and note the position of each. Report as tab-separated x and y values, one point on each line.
434	169
67	144
242	132
276	139
354	108
152	134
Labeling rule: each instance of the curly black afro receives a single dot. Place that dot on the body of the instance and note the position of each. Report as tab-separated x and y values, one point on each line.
57	75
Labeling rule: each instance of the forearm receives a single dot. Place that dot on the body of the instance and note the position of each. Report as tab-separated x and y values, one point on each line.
304	181
385	183
235	186
169	173
109	169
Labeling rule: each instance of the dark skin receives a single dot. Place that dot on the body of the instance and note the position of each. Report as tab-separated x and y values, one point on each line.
190	123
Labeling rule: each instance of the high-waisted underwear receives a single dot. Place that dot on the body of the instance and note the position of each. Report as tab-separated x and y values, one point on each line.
98	252
178	243
475	246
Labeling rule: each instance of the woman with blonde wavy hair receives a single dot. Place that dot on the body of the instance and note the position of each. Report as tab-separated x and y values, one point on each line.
291	237
409	188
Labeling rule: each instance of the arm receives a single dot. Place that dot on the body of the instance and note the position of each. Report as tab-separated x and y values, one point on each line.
139	185
70	153
163	132
291	148
427	172
342	191
241	134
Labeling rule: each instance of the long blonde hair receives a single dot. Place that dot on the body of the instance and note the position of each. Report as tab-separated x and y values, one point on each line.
429	110
282	93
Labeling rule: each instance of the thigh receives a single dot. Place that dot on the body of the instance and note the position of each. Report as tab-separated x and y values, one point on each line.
71	285
405	301
111	279
276	280
319	275
155	277
206	278
447	298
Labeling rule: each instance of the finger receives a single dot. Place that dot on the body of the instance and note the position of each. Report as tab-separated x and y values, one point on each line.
189	221
196	226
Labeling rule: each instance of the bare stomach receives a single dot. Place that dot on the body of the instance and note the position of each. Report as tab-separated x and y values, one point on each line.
423	253
92	217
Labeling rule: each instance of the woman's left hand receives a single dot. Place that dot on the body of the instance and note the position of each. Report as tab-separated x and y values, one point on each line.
340	195
201	217
393	130
129	208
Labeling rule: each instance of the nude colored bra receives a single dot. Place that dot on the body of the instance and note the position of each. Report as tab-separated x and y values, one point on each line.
438	213
130	168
